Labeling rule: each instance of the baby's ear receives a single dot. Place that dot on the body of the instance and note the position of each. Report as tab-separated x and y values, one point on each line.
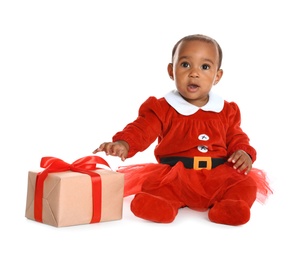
170	70
218	76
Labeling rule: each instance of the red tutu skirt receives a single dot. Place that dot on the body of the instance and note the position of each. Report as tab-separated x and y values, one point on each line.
208	184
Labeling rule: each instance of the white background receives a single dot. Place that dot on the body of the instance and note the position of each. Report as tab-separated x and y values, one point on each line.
72	73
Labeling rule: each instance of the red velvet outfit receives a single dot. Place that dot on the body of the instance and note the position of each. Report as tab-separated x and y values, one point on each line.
184	130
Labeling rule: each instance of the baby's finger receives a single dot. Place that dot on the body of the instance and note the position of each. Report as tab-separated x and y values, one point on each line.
97	150
233	158
122	156
100	148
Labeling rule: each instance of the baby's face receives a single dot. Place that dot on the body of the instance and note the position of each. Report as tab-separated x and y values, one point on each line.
195	70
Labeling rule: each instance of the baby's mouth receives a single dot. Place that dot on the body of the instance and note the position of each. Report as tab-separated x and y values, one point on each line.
193	86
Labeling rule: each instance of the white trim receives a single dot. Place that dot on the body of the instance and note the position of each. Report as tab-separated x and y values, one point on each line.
215	103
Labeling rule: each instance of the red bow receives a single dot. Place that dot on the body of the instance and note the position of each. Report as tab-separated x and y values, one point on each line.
84	165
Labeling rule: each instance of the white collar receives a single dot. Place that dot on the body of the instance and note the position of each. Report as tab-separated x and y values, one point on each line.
215	103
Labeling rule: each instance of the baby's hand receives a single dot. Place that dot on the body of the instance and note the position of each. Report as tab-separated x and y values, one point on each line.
119	148
242	162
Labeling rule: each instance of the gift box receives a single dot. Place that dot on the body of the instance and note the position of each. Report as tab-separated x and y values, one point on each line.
62	194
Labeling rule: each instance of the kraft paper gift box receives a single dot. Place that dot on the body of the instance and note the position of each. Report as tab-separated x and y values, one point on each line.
68	196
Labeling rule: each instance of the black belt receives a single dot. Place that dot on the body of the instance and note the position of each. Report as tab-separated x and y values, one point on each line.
197	162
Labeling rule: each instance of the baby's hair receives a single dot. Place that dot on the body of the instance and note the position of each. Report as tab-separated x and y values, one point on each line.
199	37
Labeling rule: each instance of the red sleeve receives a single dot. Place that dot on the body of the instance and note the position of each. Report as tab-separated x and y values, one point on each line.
142	132
236	138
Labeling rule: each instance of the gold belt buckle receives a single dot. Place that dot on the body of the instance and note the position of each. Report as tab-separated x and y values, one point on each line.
198	159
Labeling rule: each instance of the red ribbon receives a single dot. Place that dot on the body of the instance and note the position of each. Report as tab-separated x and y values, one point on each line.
84	165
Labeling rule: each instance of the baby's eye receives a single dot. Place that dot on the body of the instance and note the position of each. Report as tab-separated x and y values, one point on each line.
185	65
205	67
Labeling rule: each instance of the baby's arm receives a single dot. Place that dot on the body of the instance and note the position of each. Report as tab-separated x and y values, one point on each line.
118	148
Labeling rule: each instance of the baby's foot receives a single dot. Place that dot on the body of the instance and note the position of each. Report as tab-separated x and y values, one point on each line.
230	212
153	208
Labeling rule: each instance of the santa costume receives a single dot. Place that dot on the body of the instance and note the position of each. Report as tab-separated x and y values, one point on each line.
192	170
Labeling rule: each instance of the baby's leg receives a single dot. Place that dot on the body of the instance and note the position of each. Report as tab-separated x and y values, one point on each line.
234	207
